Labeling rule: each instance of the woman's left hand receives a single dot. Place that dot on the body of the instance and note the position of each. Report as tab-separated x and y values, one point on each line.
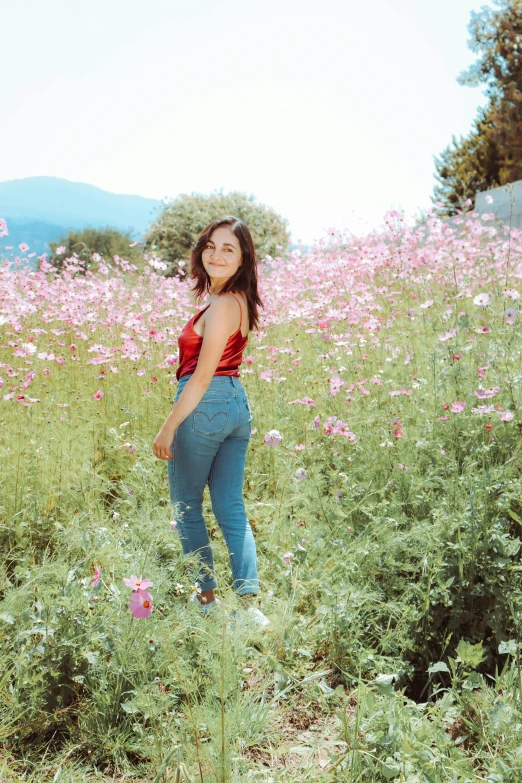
162	444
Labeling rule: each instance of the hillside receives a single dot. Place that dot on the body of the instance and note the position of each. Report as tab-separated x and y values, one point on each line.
41	209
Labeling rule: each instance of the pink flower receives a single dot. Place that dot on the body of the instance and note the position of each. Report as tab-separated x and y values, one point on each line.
23	247
130	448
140	372
448	335
505	415
304	401
98	395
482	299
141	604
273	438
97	577
510	315
137	584
481	410
288	557
484	394
458	407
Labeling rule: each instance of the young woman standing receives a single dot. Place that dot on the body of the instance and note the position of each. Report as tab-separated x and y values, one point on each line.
205	436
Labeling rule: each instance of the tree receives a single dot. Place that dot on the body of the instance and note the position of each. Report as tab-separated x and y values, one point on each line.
492	154
470	165
175	231
108	242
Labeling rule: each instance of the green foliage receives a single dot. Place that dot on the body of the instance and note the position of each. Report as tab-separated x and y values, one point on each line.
174	232
107	242
491	155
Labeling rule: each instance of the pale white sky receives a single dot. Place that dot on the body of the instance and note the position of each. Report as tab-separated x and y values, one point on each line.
330	112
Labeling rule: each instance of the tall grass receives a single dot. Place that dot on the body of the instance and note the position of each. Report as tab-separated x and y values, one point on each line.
387	522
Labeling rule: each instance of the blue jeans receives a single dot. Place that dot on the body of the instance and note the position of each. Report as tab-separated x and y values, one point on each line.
210	445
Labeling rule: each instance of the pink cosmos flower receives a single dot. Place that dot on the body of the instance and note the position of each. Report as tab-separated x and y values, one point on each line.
304	401
288	557
482	299
482	329
130	448
505	415
301	474
98	395
141	604
448	335
273	438
483	409
510	315
484	394
137	584
23	247
97	577
458	407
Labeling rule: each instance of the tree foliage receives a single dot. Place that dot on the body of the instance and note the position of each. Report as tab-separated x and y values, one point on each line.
175	231
108	242
492	153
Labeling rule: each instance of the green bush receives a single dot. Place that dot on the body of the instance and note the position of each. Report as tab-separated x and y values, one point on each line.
107	242
176	229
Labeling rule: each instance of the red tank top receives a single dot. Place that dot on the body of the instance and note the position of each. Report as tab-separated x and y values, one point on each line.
190	345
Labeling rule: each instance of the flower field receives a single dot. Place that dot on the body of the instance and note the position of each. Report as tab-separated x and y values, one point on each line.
383	485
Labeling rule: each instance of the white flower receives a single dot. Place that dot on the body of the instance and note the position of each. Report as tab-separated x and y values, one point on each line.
482	299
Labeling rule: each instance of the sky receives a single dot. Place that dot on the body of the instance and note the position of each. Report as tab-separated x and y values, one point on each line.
328	112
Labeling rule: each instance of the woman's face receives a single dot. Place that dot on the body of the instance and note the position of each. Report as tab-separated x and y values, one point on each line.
221	257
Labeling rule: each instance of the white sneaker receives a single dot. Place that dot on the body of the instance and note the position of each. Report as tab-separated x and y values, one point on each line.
205	608
257	617
250	617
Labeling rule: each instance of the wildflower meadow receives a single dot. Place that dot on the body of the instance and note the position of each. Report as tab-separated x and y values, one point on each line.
383	485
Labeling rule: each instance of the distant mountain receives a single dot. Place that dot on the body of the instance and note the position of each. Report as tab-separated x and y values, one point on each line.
39	210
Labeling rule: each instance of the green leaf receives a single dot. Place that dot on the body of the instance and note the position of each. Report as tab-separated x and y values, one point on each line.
390	769
470	655
508	648
440	666
130	706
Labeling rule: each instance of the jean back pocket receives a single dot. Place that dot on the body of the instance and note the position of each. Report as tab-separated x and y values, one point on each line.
211	417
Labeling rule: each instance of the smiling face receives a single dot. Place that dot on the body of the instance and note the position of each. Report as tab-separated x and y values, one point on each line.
221	257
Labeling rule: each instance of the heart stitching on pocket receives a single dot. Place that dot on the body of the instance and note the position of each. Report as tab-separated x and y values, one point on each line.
211	417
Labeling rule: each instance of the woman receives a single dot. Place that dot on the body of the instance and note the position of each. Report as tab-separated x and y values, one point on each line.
205	436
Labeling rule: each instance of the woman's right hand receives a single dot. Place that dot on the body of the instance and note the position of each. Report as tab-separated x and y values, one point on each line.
162	444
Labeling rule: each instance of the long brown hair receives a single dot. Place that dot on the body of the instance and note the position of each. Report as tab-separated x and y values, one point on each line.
245	279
